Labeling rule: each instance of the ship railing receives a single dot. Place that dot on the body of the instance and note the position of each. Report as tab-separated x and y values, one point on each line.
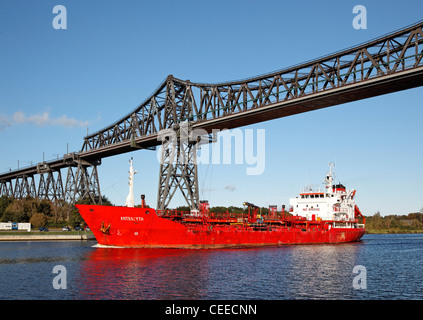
343	219
341	225
226	216
173	213
294	218
347	224
181	214
168	213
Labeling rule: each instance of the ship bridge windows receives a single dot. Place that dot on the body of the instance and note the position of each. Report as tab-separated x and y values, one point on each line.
312	195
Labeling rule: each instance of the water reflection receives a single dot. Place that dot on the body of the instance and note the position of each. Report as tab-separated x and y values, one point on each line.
32	252
142	274
322	272
394	265
291	272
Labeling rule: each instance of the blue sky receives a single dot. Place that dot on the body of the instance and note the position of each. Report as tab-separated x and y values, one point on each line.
57	84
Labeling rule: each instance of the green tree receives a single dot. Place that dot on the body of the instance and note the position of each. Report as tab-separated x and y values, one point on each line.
87	200
219	209
4	203
76	219
416	216
8	216
45	207
38	220
18	211
183	208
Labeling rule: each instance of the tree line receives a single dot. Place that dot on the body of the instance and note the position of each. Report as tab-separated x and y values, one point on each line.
412	222
41	213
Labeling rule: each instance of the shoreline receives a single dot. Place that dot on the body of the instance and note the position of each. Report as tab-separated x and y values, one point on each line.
59	236
393	231
46	237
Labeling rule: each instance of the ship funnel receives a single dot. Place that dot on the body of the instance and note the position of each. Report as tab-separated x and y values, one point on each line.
143	205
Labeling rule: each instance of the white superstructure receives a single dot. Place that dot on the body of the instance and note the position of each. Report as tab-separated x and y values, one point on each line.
334	202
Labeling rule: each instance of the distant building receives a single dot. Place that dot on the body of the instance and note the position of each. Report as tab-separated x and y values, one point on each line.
15	226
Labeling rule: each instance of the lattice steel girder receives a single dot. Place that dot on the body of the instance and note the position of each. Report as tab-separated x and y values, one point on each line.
178	168
50	186
83	184
28	188
87	184
23	188
4	189
204	105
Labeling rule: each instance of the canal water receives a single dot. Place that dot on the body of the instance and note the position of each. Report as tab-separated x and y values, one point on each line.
380	267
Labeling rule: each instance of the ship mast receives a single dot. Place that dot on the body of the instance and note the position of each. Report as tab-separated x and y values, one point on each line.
130	198
330	177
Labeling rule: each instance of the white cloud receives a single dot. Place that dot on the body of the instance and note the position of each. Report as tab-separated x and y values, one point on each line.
4	122
40	120
230	187
69	122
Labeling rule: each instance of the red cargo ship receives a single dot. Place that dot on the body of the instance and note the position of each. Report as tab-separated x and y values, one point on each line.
328	216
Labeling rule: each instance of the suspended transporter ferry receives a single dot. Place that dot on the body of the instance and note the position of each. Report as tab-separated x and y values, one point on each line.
324	216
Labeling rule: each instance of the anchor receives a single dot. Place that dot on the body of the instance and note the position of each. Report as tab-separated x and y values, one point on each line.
104	229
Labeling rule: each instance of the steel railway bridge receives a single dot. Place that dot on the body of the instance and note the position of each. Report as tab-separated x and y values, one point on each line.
390	63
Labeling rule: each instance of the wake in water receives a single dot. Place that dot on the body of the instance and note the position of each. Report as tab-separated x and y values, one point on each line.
104	246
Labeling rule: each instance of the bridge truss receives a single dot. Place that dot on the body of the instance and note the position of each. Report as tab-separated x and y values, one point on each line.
390	63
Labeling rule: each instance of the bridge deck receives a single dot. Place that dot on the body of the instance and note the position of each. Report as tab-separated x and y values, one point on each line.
390	63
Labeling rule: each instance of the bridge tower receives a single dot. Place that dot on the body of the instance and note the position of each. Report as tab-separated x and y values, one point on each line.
82	182
178	167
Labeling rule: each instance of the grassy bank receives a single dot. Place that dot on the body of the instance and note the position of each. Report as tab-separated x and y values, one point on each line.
392	231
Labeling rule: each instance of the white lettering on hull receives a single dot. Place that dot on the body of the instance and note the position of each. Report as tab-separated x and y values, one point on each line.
135	219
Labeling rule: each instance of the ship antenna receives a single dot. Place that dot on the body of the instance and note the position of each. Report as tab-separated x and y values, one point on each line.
330	177
332	164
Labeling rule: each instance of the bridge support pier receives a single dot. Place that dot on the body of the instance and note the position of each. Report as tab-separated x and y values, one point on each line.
178	169
82	183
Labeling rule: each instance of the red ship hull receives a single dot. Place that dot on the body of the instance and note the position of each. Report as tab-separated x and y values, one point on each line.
143	228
